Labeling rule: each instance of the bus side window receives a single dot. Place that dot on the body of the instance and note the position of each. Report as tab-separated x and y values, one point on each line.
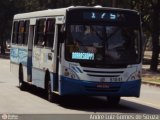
26	32
40	33
21	32
50	29
15	32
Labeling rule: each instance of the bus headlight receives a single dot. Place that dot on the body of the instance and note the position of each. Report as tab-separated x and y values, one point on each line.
135	76
70	73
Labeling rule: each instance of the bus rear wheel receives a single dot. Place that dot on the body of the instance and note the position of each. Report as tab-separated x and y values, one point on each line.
21	78
113	100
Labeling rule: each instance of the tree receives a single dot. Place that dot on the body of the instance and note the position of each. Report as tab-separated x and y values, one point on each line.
155	35
6	13
150	10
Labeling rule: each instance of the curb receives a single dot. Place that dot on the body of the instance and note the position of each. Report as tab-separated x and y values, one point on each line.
151	83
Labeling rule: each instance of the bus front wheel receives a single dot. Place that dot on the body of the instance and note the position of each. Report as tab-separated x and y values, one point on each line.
50	95
113	100
48	87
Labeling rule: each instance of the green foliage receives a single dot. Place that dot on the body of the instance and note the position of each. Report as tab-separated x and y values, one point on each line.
146	9
32	5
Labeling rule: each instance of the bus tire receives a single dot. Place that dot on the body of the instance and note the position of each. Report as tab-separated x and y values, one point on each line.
21	78
50	95
113	100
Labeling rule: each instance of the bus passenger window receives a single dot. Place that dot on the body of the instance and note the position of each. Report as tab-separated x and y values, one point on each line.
50	28
40	33
15	32
26	33
21	32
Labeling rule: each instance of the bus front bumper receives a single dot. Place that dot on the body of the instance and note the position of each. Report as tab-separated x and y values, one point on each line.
70	86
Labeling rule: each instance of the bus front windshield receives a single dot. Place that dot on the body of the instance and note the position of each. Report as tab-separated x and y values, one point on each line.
103	44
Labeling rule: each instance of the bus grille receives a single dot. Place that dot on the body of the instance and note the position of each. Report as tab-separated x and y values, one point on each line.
103	73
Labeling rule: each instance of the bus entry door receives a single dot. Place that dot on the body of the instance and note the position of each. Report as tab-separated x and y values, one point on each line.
30	49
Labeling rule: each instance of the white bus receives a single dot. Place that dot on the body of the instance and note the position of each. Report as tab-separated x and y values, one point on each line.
93	51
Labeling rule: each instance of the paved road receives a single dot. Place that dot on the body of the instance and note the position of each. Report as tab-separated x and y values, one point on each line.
12	100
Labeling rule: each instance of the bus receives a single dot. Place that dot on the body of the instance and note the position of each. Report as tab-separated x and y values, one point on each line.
90	51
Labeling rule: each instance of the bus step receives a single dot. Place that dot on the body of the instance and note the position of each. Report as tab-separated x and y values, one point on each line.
30	83
56	92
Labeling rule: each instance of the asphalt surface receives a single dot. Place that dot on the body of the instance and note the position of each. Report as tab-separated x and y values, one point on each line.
33	100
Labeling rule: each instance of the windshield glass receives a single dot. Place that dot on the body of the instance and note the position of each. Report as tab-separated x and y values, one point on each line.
102	44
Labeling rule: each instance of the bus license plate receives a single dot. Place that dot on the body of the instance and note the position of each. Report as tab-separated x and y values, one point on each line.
103	86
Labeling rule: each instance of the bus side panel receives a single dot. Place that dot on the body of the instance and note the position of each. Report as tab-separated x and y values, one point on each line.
17	56
42	60
14	55
37	73
38	77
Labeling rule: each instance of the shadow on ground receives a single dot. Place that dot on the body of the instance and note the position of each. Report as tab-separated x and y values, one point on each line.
94	104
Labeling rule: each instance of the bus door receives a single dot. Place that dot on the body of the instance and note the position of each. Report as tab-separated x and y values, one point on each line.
43	51
30	49
47	50
57	47
57	61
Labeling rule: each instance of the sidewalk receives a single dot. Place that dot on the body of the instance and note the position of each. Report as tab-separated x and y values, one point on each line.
150	77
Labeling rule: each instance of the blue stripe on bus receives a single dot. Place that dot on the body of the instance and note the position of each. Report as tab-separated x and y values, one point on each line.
70	86
79	69
76	69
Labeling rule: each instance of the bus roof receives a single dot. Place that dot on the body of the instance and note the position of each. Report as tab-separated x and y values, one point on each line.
43	13
62	12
